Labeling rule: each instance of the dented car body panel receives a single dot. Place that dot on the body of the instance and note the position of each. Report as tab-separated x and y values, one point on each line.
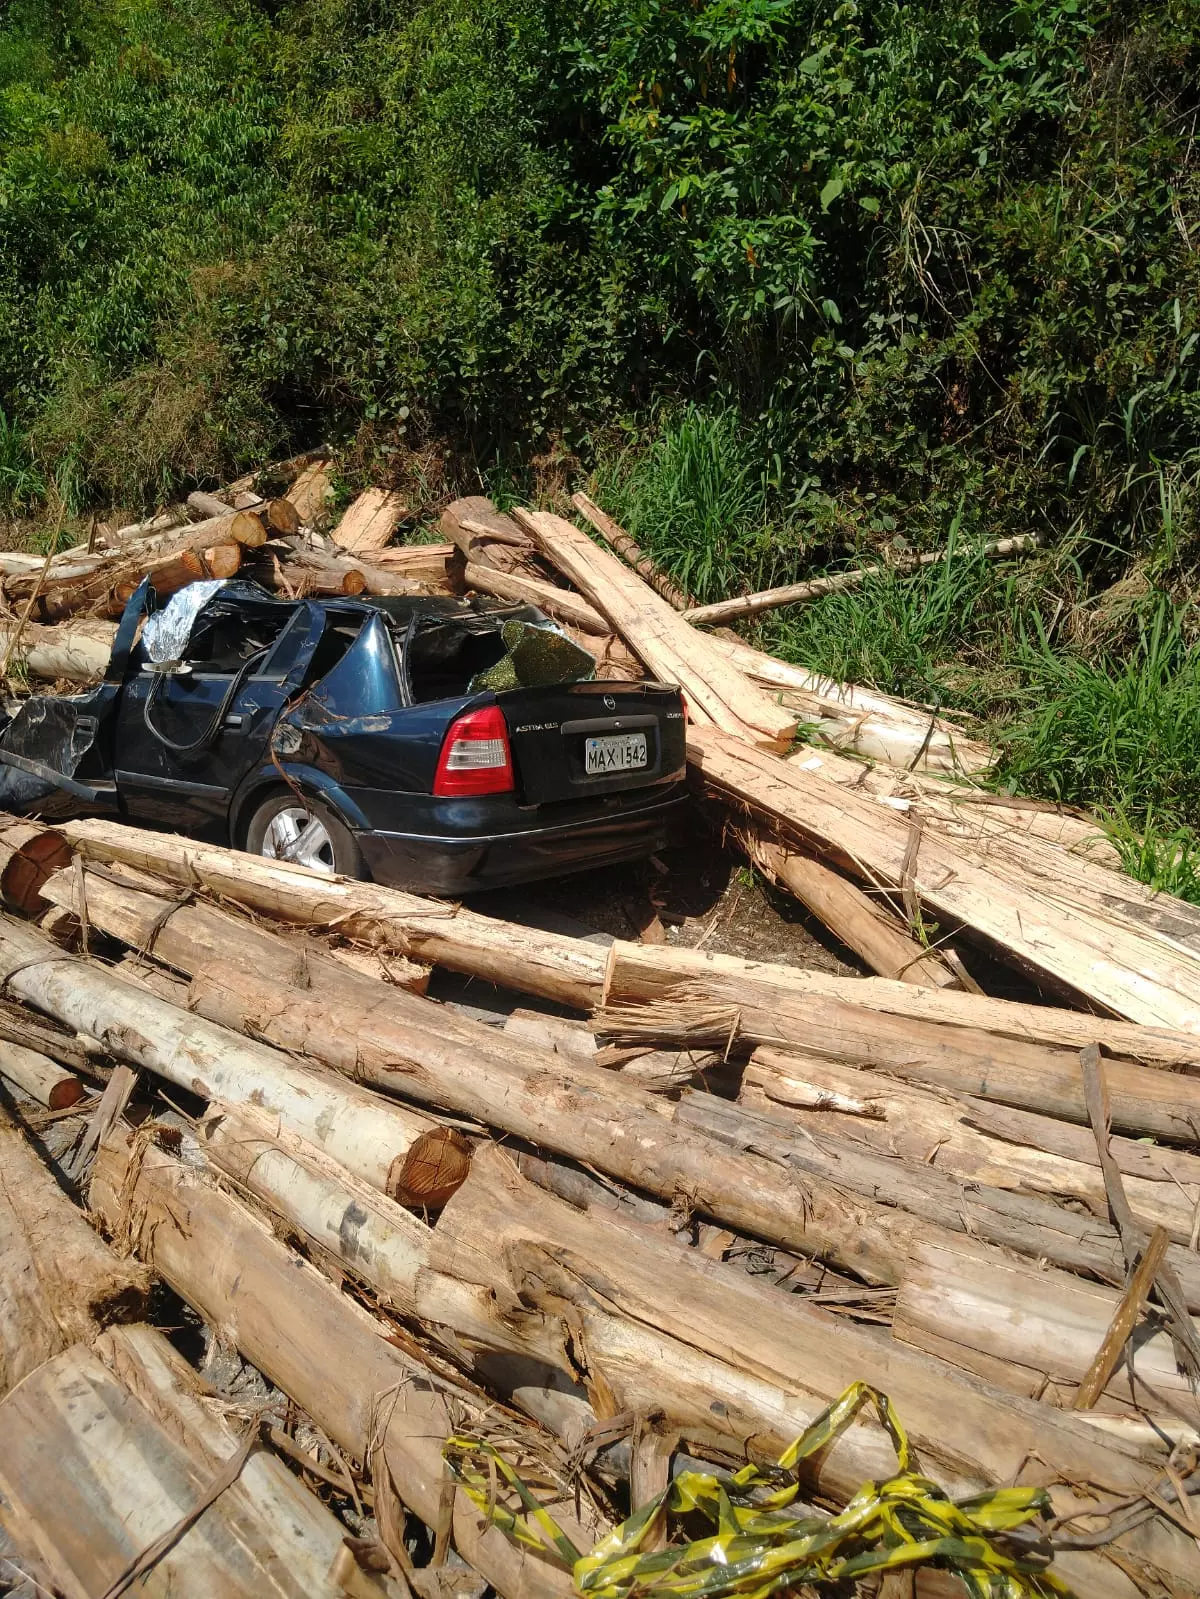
350	702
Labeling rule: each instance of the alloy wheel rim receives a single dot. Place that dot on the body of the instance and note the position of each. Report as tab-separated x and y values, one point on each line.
296	835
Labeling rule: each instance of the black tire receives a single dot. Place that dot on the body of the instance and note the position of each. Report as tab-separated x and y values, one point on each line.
338	852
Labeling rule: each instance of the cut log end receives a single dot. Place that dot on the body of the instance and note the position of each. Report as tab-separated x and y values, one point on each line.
66	1092
432	1170
248	528
33	856
281	514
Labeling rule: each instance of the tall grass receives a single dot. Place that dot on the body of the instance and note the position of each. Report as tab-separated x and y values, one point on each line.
910	635
698	502
1119	732
21	484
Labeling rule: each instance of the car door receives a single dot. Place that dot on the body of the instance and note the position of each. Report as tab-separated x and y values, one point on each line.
186	737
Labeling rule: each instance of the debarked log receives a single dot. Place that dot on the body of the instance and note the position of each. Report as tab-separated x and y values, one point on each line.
74	652
974	1141
93	1474
1031	1224
401	1043
386	1144
1039	1328
59	1284
377	1404
994	1049
651	1325
547	964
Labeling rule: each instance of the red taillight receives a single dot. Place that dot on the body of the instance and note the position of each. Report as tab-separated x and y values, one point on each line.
684	703
475	757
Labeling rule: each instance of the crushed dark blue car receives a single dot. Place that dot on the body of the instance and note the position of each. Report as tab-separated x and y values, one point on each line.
430	743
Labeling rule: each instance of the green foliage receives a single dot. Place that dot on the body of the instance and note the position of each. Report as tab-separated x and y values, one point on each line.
695	499
925	251
1121	731
21	484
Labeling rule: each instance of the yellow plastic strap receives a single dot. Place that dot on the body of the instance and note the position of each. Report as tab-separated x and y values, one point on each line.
757	1546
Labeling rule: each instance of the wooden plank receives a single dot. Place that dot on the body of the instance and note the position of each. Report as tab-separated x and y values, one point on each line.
1132	972
717	694
371	521
615	536
861	720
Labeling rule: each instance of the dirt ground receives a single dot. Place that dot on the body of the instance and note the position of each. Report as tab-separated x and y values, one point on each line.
703	895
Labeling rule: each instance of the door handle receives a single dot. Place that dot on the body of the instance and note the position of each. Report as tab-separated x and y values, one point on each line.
234	721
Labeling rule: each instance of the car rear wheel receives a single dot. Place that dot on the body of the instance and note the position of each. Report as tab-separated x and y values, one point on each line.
306	833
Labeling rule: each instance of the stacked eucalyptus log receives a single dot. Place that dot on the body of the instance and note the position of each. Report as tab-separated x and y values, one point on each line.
414	1224
60	610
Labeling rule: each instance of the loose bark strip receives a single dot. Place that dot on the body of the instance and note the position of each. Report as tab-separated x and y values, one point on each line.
725	611
673	651
550	965
1120	1329
863	924
1175	1299
616	537
1133	972
38	1077
59	1284
314	1343
383	1143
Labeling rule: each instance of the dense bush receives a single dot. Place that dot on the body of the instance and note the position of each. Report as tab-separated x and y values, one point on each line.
926	249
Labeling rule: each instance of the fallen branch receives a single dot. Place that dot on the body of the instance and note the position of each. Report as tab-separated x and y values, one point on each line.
616	536
815	588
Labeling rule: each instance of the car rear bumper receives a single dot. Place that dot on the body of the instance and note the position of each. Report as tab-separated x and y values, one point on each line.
451	866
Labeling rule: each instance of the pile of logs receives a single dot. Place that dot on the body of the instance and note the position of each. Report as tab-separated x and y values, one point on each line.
668	1212
412	1224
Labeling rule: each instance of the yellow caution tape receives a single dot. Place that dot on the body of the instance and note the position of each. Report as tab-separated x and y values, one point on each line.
758	1547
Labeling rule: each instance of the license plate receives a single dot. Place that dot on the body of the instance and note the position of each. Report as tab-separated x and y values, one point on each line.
622	752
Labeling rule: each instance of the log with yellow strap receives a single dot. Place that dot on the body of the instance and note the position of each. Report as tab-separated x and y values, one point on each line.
759	1547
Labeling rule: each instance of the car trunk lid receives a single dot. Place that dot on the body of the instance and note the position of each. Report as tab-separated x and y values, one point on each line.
583	740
